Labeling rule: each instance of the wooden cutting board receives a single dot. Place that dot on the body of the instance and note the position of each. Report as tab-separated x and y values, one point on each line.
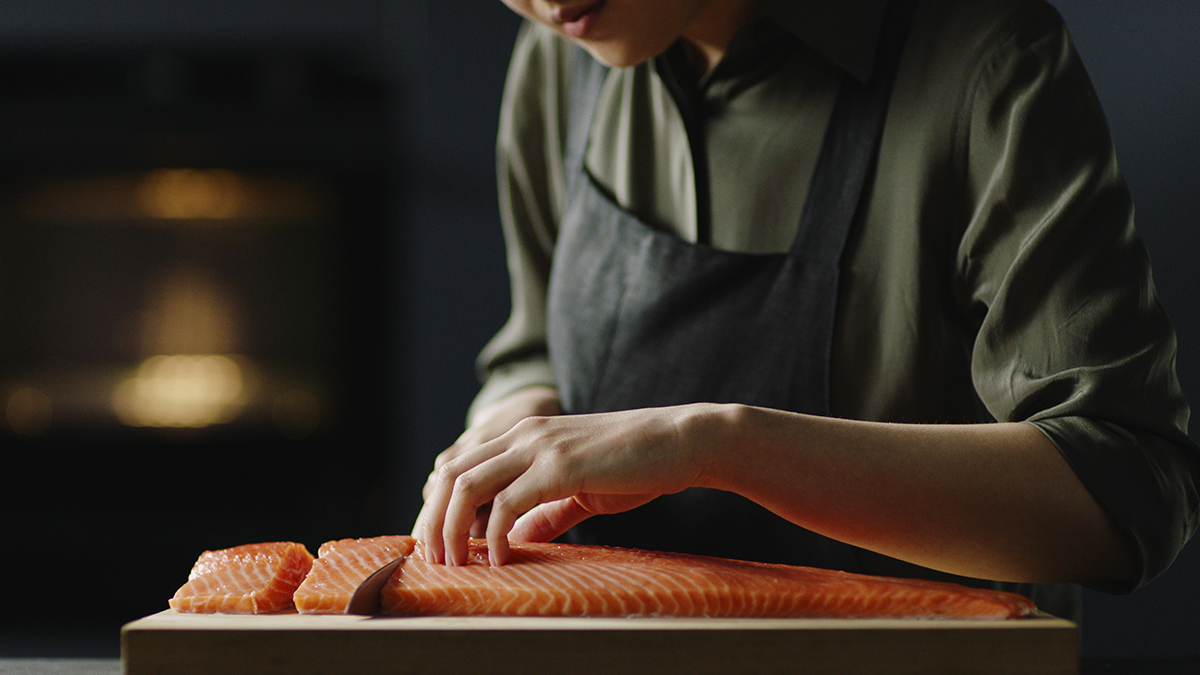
295	644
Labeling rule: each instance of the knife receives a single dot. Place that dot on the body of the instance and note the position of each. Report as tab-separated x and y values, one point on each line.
367	596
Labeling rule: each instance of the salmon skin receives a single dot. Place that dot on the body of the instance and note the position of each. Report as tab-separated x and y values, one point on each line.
248	579
570	580
341	566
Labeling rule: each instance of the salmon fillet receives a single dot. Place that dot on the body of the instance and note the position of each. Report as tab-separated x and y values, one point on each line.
248	579
566	580
341	566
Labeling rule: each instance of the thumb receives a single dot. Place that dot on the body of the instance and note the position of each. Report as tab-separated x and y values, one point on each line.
546	521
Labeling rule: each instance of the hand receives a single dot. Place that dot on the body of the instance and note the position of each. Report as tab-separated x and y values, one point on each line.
492	421
495	419
553	472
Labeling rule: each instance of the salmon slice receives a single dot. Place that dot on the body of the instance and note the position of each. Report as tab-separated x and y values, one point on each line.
341	566
248	579
566	580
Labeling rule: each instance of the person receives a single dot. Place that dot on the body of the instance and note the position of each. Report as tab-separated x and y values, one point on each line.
846	284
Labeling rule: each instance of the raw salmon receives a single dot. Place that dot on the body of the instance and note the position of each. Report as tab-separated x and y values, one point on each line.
565	580
249	579
341	566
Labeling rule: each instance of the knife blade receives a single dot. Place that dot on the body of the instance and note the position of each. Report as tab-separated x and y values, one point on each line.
366	598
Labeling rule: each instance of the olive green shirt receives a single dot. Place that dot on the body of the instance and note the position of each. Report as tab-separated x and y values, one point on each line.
993	274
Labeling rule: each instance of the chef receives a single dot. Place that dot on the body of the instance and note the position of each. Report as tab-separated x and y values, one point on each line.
844	284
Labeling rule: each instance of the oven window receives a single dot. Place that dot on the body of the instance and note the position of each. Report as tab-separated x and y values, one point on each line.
168	298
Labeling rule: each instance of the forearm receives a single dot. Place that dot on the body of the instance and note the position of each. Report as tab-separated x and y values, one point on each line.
993	501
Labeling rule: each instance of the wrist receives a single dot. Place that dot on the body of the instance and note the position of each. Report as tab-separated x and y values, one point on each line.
712	431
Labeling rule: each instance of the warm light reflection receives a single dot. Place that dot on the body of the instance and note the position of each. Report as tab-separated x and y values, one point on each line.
191	193
28	411
181	390
189	309
179	197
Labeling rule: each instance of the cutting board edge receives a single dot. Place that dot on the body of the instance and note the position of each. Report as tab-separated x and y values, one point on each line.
296	644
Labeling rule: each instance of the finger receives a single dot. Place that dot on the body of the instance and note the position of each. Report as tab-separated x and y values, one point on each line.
427	532
524	494
546	521
427	489
438	462
472	490
479	527
421	531
432	519
471	438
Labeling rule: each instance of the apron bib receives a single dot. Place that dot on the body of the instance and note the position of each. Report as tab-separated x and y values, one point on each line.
641	318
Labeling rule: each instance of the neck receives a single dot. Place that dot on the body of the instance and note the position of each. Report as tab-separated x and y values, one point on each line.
713	28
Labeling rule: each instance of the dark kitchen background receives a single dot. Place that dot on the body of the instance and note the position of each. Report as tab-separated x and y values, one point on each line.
249	250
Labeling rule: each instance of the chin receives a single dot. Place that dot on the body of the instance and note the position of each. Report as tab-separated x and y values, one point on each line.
619	56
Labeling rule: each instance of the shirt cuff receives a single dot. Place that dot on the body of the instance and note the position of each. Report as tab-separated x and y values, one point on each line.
1143	480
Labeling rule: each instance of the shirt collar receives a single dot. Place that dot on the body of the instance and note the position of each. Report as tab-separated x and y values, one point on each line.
844	31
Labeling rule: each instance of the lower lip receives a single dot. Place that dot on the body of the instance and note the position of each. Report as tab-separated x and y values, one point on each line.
582	25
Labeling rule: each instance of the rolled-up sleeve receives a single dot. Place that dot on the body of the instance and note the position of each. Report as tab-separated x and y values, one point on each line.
1072	338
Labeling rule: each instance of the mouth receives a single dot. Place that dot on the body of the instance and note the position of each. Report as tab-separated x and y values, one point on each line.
576	19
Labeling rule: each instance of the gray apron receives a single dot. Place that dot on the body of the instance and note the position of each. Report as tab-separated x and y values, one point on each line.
641	318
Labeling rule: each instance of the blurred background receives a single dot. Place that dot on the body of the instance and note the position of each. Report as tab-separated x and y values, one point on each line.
249	251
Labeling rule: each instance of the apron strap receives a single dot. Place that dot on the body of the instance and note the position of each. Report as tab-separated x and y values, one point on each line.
584	95
851	143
